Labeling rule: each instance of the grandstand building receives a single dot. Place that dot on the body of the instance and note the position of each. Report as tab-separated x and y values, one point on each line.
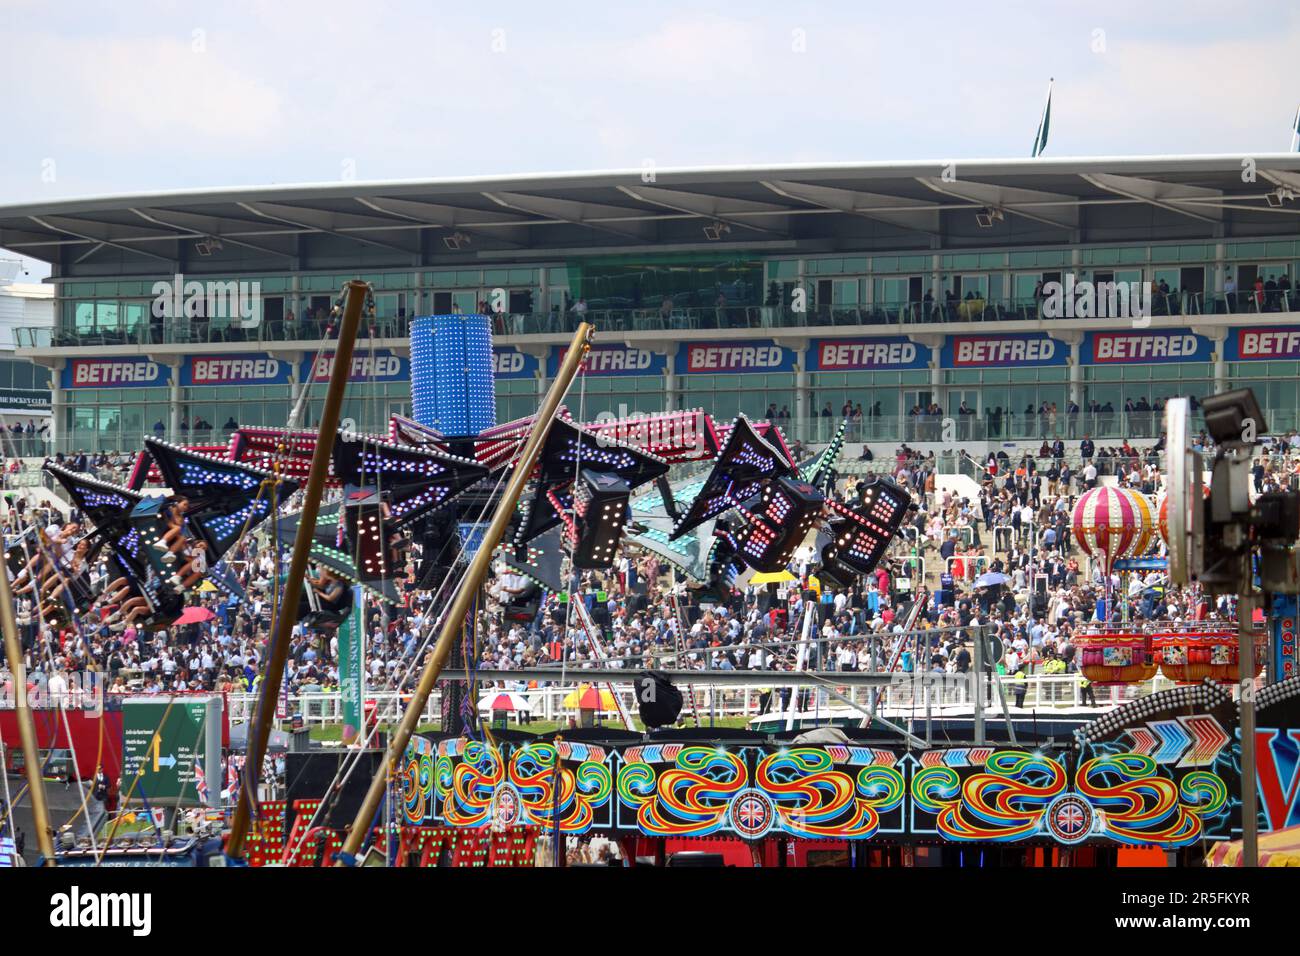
791	290
24	391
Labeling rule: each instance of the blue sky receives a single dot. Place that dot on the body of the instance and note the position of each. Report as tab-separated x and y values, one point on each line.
150	95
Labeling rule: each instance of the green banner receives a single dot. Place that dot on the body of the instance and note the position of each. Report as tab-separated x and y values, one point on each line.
352	668
172	749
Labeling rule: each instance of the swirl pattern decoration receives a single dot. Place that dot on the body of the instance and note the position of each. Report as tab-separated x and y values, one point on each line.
534	776
816	801
1141	807
1006	802
690	798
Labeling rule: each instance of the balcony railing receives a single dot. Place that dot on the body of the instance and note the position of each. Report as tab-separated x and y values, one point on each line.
883	432
192	331
1101	427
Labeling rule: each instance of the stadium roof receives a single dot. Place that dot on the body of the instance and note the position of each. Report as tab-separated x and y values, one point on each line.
792	209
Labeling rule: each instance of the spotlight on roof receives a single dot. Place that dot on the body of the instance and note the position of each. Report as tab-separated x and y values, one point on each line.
205	247
1280	195
456	240
986	217
715	231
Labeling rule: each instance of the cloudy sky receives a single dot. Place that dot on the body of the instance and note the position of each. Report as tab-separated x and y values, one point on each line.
144	95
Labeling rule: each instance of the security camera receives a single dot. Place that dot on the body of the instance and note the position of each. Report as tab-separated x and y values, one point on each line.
1280	195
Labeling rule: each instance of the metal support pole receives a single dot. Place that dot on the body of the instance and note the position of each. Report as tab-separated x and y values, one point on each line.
278	651
800	663
979	688
1246	701
474	575
26	725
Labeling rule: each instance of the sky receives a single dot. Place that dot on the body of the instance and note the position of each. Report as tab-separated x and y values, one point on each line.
147	95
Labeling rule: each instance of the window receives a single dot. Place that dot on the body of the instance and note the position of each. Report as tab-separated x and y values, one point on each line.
726	396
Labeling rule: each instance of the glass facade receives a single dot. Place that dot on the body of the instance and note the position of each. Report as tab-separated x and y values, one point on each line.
726	396
667	282
621	395
1117	385
1276	385
108	419
885	393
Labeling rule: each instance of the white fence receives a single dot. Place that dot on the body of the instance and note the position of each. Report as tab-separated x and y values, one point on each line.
907	692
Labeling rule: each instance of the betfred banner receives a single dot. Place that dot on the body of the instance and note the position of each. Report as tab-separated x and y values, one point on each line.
849	355
235	370
378	366
1145	348
614	360
114	373
1254	345
711	358
1003	351
512	363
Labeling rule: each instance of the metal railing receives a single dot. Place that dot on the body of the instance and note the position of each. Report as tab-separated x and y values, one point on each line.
906	691
314	329
883	432
1103	427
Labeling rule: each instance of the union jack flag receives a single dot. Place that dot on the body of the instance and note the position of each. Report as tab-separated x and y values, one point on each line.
200	781
234	775
1070	819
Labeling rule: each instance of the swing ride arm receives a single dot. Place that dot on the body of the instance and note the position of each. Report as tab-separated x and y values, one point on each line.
278	650
454	620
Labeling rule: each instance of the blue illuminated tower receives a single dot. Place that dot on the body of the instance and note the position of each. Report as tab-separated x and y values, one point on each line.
451	373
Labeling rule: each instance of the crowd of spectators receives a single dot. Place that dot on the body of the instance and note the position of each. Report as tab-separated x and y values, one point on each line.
1017	525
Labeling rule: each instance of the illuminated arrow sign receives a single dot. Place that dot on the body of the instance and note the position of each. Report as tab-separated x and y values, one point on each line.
956	757
1208	740
1144	741
1174	740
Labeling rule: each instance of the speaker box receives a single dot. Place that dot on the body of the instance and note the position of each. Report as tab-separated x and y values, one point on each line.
309	776
658	701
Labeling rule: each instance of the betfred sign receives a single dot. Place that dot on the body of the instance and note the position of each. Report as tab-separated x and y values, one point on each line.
1145	348
235	370
1252	345
1003	351
114	373
704	358
847	355
511	363
380	366
615	360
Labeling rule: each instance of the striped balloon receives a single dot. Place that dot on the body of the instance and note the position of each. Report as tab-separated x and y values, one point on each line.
1146	523
1107	523
1163	518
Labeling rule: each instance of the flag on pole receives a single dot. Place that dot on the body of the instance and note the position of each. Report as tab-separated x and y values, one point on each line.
1295	131
1040	141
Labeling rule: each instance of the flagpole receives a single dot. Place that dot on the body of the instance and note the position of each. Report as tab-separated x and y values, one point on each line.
1040	141
1295	131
